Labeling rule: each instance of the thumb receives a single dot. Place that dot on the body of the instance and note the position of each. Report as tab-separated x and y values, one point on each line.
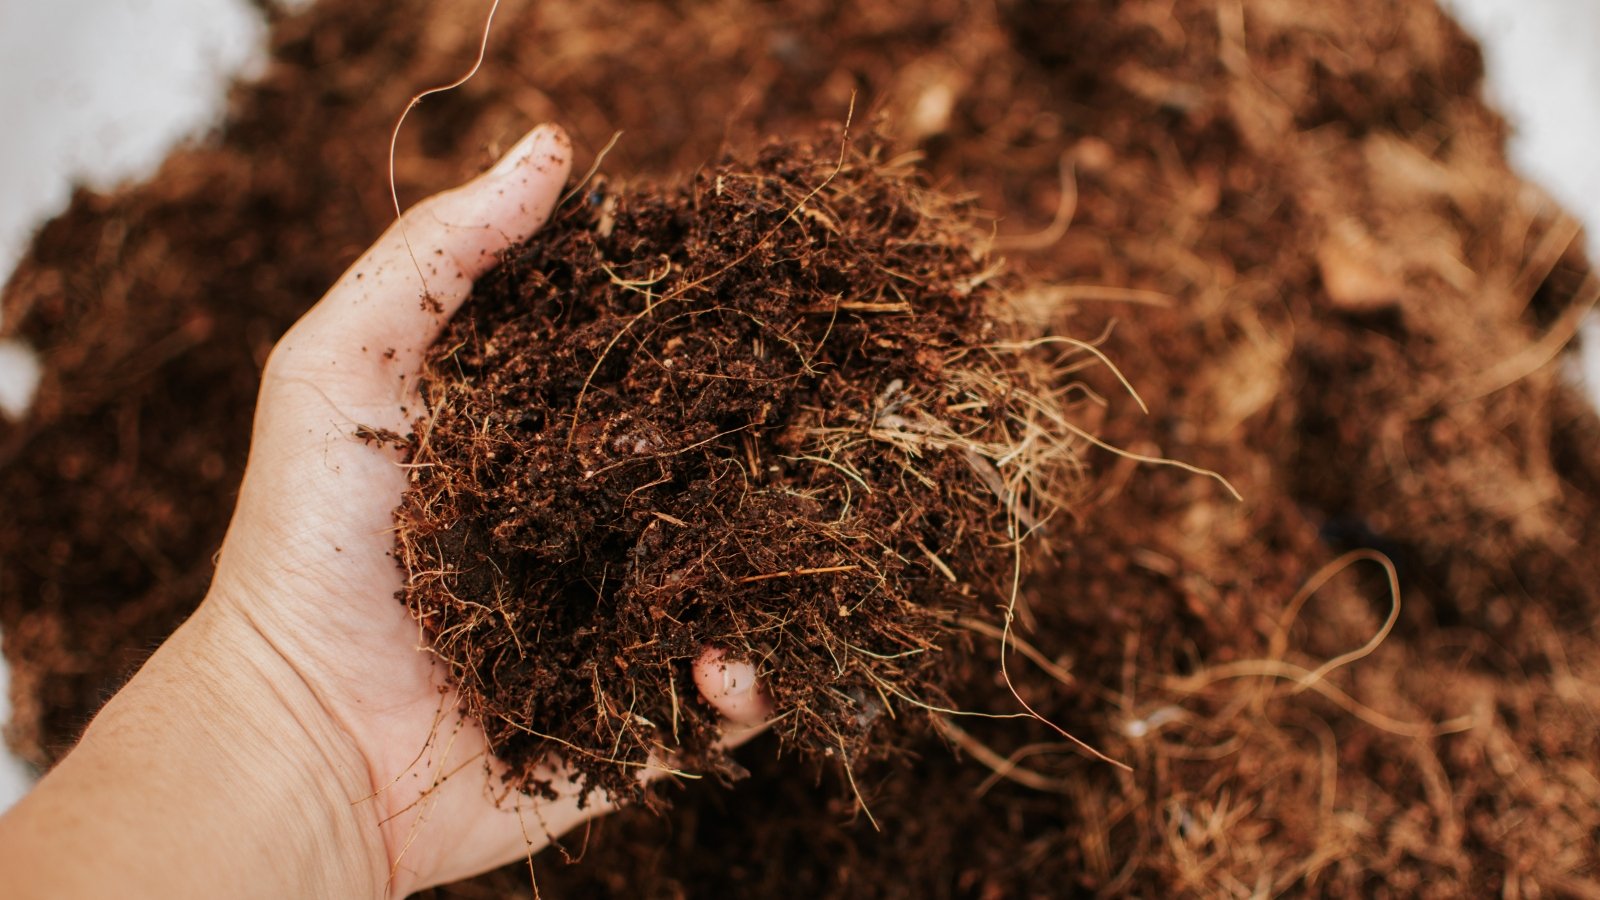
400	293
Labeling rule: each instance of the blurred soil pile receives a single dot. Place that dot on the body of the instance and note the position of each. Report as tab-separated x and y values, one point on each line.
1322	278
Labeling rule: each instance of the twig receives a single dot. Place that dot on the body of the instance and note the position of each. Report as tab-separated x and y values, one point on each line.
792	573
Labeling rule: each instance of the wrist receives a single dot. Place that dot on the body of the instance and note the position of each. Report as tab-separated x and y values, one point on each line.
310	785
220	758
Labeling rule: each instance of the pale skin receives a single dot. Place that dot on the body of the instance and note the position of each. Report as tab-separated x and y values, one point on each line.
294	738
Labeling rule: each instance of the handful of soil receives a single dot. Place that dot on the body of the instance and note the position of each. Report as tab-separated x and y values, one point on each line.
782	409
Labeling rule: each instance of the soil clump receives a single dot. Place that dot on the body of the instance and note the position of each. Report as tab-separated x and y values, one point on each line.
783	410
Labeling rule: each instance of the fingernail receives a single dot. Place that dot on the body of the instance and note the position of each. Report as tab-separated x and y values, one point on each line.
737	678
538	140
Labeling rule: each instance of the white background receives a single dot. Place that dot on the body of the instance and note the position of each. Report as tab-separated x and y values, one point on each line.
97	91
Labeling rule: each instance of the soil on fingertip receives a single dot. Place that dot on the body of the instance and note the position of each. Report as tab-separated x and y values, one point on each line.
782	409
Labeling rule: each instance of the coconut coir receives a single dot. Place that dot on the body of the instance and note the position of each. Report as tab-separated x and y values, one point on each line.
1329	284
780	409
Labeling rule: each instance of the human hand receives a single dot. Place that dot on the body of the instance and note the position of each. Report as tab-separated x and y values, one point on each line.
301	643
307	560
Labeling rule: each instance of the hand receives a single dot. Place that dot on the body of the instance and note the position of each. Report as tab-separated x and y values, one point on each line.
315	673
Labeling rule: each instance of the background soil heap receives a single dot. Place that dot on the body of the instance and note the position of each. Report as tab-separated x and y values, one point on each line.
1330	288
782	409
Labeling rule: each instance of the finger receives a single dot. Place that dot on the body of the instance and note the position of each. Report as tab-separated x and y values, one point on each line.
731	687
524	823
401	292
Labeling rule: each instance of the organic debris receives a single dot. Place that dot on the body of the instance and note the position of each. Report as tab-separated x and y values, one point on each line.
782	409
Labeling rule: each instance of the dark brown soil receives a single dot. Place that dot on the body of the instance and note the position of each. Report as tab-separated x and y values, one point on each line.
782	409
1328	285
